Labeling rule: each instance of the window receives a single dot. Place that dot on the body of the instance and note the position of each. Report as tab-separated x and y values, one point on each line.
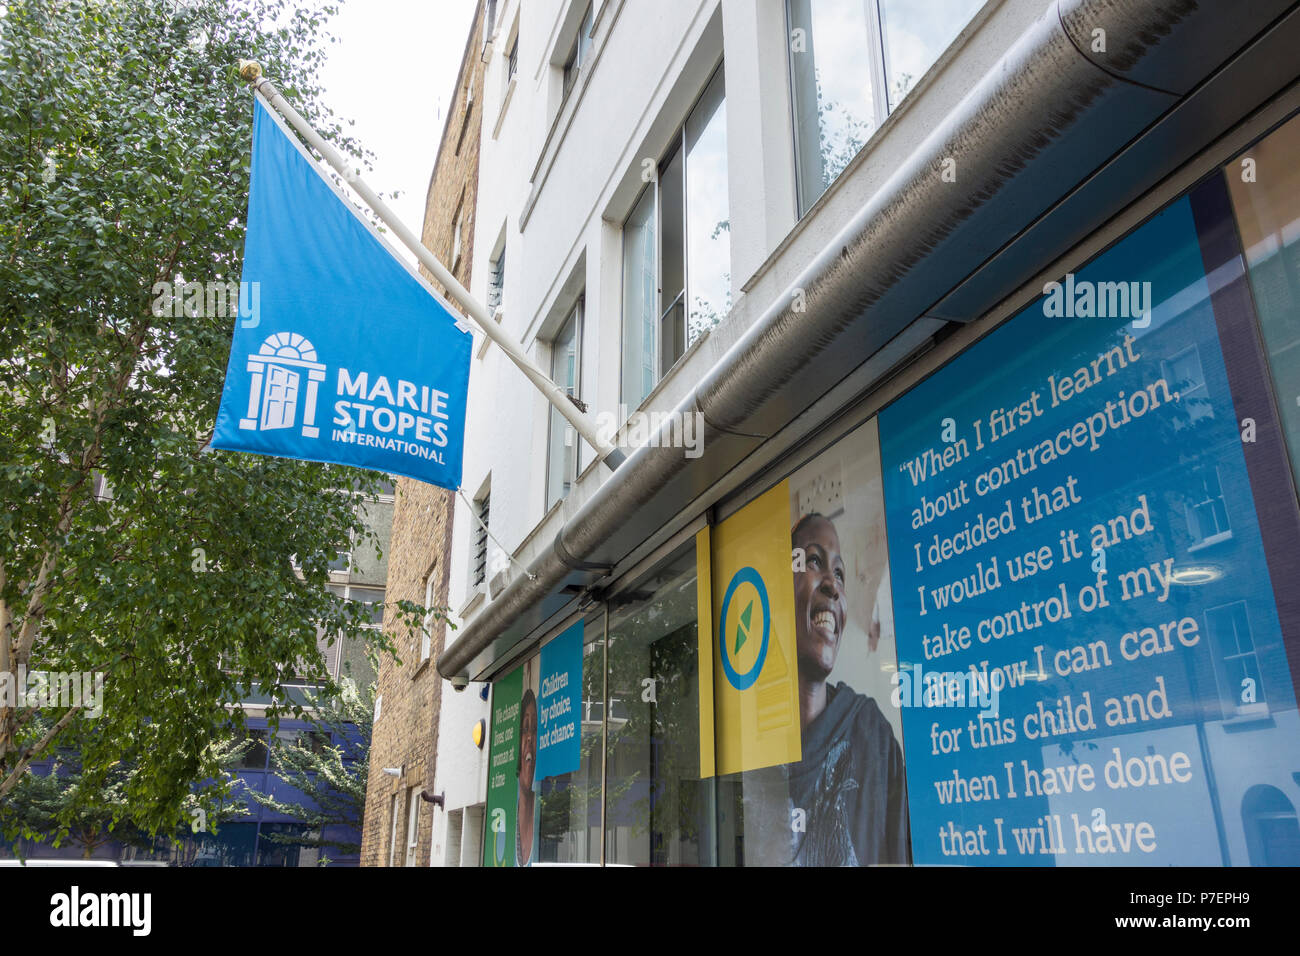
413	802
1184	373
456	234
512	60
394	806
342	561
562	447
677	249
373	599
478	558
496	281
426	632
1234	648
851	63
1207	515
254	758
579	54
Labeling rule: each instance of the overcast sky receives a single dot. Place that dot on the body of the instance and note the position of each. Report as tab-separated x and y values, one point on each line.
392	70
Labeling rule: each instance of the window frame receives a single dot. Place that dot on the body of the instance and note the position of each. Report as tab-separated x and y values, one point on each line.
676	146
576	315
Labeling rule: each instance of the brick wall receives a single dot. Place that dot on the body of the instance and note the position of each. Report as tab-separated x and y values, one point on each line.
411	691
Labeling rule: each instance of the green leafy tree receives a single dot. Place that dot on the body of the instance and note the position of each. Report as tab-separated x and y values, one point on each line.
60	806
331	776
127	546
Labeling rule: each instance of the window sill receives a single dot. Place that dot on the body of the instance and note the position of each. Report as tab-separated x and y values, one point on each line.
505	104
472	605
420	667
497	315
1211	541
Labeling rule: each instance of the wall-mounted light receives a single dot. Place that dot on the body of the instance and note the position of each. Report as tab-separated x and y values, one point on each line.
479	733
393	771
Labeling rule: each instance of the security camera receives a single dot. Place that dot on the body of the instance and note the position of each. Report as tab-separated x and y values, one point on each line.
459	683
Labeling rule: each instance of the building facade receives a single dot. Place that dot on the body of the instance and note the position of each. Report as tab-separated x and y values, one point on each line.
400	822
978	316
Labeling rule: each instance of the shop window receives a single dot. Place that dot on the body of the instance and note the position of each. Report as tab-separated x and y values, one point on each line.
569	804
1264	183
677	249
659	812
1207	514
851	63
562	443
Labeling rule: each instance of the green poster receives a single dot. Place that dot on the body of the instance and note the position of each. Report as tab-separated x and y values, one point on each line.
502	795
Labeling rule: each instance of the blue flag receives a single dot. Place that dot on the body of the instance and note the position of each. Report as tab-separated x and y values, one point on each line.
349	356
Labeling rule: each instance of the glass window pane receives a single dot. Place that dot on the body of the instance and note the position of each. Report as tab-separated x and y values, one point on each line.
658	810
708	222
915	33
833	86
1266	200
562	457
640	315
672	263
569	829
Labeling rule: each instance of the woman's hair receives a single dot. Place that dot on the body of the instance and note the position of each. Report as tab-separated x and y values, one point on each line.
526	703
804	520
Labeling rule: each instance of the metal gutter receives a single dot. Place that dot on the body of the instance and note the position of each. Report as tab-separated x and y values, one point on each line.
1041	123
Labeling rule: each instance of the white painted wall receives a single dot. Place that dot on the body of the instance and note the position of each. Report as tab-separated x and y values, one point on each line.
562	189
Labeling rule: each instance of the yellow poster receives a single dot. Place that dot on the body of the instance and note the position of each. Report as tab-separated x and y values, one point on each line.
750	625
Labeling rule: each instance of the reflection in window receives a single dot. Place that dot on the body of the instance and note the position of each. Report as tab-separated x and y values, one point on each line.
570	803
1229	630
659	812
851	63
1207	515
1272	833
677	249
1267	206
915	33
562	455
834	87
1185	374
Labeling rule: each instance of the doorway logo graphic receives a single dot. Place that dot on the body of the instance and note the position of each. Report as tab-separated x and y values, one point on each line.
277	371
743	657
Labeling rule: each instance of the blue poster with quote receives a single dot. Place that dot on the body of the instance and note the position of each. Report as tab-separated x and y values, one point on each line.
1091	667
559	705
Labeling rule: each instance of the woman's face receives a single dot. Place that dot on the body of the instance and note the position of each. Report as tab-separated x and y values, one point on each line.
819	601
528	741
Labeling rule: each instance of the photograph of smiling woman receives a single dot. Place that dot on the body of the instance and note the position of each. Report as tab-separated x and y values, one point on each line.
850	783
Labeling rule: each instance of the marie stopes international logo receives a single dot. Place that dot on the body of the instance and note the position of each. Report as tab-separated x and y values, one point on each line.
285	380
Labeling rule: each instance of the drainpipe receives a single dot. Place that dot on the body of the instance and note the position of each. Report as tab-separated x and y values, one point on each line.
1052	111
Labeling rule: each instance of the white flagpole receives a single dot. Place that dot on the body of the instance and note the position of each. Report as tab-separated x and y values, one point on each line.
251	71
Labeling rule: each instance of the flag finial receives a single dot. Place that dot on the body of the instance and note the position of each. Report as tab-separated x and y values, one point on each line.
250	70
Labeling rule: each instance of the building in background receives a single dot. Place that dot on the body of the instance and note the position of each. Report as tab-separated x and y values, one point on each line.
866	263
403	826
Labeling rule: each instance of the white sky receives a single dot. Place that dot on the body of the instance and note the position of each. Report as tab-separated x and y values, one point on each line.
392	70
